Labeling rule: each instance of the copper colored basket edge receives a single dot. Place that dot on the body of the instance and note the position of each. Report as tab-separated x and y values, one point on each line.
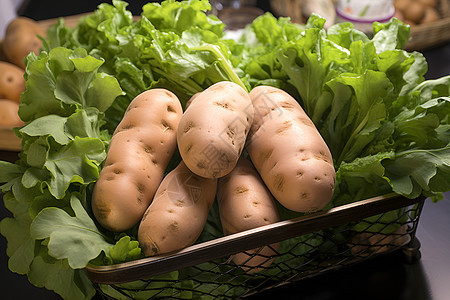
250	239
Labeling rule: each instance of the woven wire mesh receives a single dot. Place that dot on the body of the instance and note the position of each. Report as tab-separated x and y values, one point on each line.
288	261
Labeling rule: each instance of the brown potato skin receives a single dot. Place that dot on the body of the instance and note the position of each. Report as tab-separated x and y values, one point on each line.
191	99
178	213
140	150
9	113
12	83
246	203
289	153
213	129
2	52
21	39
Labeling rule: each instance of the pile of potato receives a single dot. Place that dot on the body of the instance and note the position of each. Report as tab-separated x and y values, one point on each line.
415	12
21	38
288	161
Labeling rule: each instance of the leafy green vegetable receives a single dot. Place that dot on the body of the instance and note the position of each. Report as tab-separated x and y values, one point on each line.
387	127
68	235
52	233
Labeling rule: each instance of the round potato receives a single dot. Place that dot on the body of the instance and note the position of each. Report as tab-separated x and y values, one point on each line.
9	115
21	38
289	153
140	150
414	11
12	83
246	203
213	129
177	215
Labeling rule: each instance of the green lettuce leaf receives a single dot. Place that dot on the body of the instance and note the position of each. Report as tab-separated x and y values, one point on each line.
16	230
75	238
58	276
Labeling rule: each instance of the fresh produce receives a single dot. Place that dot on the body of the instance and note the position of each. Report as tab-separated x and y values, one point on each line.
416	12
288	152
9	115
177	215
246	203
140	149
21	38
385	125
368	243
12	83
191	99
213	129
2	52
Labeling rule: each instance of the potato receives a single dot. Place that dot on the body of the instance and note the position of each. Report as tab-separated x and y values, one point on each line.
399	15
191	99
9	113
177	215
401	5
246	203
414	11
12	83
2	52
364	244
213	129
21	38
140	150
432	3
288	152
431	15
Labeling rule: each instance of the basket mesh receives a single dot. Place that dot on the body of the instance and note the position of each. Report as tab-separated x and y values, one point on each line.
292	260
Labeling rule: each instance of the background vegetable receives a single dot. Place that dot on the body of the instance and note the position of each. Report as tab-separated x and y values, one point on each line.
140	149
9	115
21	38
246	203
288	152
12	83
177	215
213	129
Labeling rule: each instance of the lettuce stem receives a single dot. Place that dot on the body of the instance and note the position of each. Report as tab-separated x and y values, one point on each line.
225	64
189	84
352	138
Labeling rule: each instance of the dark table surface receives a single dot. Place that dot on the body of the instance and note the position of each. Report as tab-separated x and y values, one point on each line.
386	277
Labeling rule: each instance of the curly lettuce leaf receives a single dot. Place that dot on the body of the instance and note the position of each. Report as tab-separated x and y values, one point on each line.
16	230
58	276
63	80
75	238
420	171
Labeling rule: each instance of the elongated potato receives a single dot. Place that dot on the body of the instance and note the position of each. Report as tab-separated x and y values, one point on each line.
177	215
140	149
12	83
288	152
9	113
21	38
212	132
246	203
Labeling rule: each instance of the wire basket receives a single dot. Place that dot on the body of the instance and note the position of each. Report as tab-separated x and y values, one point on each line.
300	248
